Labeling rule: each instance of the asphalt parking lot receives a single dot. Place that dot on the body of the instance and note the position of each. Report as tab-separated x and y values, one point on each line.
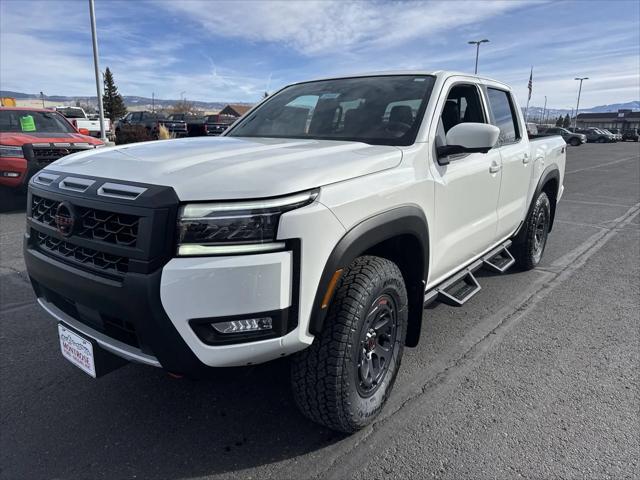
536	377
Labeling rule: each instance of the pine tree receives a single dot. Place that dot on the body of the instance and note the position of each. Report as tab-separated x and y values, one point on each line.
559	121
567	121
113	102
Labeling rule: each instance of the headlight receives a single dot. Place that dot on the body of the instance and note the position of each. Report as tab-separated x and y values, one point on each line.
222	228
6	151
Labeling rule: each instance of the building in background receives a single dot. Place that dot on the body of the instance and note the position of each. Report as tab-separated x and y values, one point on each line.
622	119
235	109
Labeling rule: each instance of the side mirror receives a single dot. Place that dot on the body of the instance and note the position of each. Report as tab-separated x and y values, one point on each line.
468	138
83	131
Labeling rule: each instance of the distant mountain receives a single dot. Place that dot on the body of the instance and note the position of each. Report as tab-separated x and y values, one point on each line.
535	113
145	102
129	100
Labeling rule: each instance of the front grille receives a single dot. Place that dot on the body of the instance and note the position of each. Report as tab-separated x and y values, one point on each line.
81	256
45	155
115	228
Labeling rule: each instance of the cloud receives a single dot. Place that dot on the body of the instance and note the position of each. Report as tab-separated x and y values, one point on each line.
318	27
232	51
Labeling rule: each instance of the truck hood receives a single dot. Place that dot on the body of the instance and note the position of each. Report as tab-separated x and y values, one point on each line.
20	138
226	168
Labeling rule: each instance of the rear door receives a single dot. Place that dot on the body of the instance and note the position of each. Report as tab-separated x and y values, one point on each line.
513	146
466	189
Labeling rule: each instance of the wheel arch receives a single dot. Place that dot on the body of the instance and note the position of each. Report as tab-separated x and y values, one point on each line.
400	235
550	184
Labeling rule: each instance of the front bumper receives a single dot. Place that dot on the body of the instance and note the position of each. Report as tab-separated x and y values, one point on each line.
148	318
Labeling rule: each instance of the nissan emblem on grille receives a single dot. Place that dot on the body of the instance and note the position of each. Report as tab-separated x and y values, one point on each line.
65	219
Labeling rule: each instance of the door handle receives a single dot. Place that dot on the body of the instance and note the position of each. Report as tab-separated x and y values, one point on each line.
494	168
525	159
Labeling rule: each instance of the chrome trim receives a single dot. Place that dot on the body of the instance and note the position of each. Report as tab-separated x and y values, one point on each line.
114	346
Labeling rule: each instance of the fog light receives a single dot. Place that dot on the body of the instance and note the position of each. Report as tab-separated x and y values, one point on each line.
11	174
241	326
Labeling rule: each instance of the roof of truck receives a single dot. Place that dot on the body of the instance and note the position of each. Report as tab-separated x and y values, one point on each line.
438	73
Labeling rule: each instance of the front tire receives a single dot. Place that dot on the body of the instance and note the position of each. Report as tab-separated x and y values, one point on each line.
574	142
528	252
343	380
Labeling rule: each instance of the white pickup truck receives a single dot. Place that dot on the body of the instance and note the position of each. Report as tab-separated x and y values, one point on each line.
317	226
80	120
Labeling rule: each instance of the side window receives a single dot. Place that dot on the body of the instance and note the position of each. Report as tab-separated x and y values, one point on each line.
504	116
463	105
136	116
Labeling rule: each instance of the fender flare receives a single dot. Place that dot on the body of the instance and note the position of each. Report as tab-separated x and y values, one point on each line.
552	172
405	220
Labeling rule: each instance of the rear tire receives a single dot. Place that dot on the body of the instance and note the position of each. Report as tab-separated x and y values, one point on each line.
529	251
343	380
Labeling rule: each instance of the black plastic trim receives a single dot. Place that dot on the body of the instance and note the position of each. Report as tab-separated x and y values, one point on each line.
135	299
550	173
406	220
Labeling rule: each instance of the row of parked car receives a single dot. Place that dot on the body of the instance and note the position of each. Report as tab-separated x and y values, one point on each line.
178	125
578	136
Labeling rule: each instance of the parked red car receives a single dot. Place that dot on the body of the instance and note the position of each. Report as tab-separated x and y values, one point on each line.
32	138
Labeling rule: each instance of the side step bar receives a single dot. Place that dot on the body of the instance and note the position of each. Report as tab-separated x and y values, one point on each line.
499	262
462	286
459	290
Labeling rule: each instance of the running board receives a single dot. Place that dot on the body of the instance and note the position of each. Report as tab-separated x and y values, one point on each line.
462	286
499	261
459	290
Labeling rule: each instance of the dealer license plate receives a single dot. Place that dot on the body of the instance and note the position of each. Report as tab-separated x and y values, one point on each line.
78	350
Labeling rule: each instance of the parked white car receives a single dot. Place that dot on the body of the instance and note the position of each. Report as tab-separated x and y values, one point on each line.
79	119
318	226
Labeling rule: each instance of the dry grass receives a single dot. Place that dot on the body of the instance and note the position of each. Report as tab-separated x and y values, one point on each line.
163	133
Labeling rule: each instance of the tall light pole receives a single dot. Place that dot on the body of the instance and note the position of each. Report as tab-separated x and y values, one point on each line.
544	109
477	44
94	38
581	79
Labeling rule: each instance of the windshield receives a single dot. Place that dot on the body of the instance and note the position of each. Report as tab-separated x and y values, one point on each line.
385	110
71	112
29	121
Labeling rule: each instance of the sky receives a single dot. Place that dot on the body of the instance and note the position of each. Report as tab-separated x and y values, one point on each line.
235	50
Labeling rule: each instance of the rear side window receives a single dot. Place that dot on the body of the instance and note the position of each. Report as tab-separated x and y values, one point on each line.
504	115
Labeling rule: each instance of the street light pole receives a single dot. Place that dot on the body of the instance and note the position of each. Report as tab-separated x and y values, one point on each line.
581	79
477	44
94	38
544	109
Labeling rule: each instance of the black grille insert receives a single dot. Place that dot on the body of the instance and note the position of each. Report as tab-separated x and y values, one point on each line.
45	155
117	328
115	228
81	255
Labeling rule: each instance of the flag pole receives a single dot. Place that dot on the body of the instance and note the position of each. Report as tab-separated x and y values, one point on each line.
530	86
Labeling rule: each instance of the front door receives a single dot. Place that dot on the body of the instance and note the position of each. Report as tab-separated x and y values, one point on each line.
466	190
